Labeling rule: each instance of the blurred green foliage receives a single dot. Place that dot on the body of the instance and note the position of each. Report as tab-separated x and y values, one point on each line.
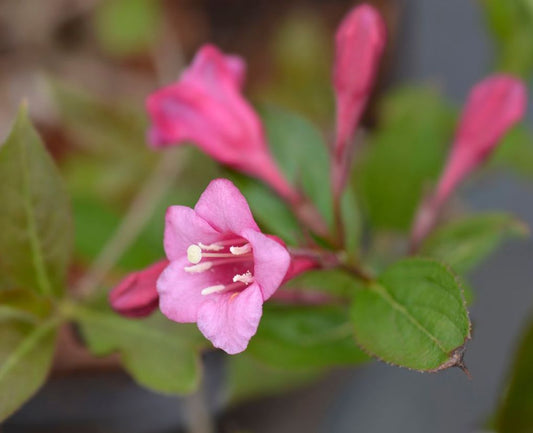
127	27
511	24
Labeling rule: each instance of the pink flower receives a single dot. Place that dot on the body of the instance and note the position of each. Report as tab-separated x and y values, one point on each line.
222	268
359	44
206	107
493	107
136	295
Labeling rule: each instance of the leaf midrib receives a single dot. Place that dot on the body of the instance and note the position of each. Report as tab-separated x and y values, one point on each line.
382	291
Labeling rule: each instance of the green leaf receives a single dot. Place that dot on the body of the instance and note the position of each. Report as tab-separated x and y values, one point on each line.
515	414
26	352
127	27
335	282
305	337
413	316
404	156
511	23
516	152
247	378
352	221
302	155
464	243
159	354
35	243
271	213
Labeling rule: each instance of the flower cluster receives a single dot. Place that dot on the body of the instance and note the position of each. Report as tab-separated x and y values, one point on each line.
220	268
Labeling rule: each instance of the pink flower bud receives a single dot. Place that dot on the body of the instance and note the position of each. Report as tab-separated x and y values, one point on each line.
493	107
206	107
136	295
359	44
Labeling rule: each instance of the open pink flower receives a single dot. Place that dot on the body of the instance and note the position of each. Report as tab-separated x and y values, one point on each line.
206	107
359	44
222	268
136	295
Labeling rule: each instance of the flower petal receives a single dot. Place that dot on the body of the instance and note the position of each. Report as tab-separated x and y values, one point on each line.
180	295
271	261
225	208
230	320
184	227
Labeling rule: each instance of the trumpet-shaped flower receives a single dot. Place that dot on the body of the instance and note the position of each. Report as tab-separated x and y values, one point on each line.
359	44
222	268
206	107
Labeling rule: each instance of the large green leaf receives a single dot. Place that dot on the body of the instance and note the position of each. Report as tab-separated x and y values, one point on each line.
26	351
247	378
403	156
515	414
511	23
464	243
305	337
159	354
301	153
413	316
35	242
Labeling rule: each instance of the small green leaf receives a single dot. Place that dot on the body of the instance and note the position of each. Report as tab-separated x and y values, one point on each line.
511	23
404	156
159	354
352	221
464	243
247	378
268	209
413	316
515	414
301	153
26	352
515	152
35	242
305	337
335	282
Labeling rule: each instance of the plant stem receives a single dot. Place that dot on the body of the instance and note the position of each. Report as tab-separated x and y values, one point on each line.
139	212
198	417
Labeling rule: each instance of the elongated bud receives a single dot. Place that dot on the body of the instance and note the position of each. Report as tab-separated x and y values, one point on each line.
492	108
359	44
136	295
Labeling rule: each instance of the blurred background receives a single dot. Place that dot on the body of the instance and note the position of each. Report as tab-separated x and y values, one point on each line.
86	66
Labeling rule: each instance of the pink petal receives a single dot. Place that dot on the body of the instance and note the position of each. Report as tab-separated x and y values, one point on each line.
230	320
183	227
271	262
180	295
225	208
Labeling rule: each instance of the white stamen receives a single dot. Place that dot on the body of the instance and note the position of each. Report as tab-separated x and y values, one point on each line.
246	278
210	247
213	289
200	267
194	254
239	251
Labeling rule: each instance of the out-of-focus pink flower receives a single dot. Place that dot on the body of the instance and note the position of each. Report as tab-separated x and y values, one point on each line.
206	107
222	268
359	44
494	105
136	295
